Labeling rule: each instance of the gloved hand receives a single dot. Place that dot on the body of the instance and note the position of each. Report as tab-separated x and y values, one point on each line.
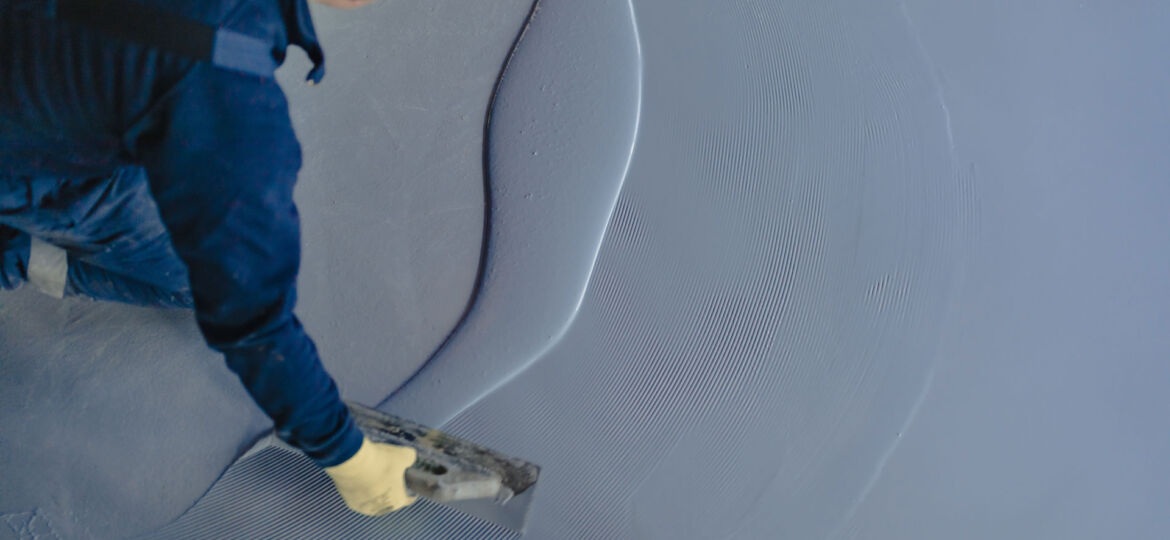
373	481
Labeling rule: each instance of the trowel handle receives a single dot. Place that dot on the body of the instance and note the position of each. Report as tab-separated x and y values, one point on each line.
438	482
448	468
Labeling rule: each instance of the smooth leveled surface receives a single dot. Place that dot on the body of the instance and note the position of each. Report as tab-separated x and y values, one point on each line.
113	419
392	190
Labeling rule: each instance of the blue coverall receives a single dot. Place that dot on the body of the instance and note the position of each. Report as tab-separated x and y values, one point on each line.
101	136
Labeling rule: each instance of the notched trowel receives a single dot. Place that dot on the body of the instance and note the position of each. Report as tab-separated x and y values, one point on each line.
457	473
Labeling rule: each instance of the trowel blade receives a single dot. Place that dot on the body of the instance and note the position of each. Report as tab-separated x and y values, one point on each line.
512	515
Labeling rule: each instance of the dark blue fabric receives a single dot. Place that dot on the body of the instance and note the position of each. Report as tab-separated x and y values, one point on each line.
220	157
13	257
118	247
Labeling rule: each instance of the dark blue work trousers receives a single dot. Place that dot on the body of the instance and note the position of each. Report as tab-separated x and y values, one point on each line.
118	248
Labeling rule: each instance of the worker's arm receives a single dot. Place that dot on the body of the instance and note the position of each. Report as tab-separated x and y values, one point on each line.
222	160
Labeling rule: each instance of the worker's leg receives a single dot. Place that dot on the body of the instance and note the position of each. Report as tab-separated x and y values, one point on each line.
119	248
100	284
19	263
108	231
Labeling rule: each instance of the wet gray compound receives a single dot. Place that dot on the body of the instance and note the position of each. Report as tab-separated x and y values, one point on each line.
754	270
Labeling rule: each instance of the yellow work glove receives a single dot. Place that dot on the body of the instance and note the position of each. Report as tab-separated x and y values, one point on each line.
373	481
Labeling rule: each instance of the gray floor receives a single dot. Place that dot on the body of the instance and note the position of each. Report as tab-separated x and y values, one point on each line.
392	190
877	270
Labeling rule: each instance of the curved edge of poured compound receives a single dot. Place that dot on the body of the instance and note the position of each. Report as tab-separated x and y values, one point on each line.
558	144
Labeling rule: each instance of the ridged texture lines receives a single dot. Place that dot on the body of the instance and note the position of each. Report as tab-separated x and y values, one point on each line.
763	319
279	493
767	301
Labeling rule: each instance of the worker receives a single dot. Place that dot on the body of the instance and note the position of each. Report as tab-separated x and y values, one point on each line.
147	156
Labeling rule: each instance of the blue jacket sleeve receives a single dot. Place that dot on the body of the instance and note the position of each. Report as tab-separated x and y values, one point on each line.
222	160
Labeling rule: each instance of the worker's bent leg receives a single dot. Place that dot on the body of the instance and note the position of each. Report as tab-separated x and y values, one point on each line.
128	236
114	225
101	284
52	271
117	246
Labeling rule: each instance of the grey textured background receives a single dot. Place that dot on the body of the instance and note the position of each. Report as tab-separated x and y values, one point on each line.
878	270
